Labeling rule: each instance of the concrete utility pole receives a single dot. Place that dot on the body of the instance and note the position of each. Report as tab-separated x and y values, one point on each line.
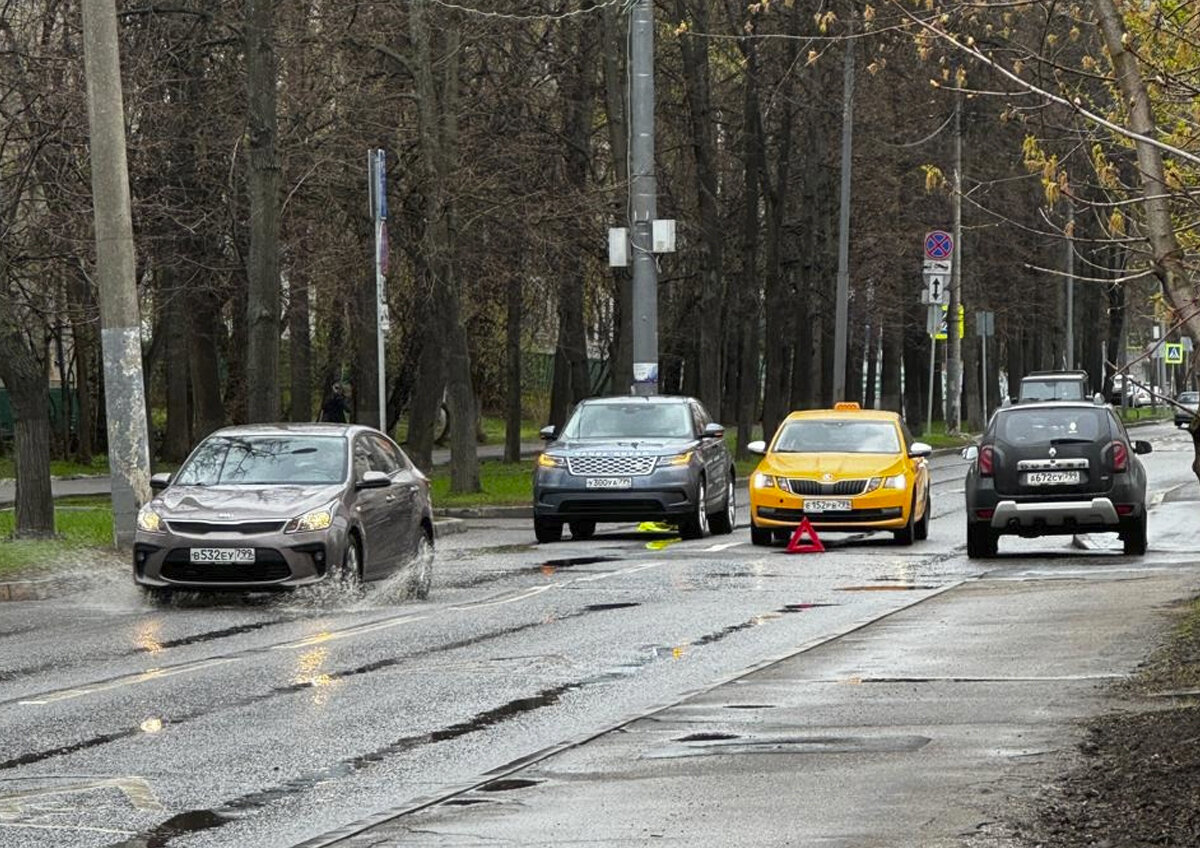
953	340
120	330
842	303
643	200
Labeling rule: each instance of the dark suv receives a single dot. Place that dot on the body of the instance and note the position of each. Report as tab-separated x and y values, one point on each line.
634	459
1055	469
1053	385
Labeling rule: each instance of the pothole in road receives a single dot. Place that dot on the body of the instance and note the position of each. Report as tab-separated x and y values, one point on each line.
571	562
902	587
803	607
708	737
612	606
466	802
749	706
508	785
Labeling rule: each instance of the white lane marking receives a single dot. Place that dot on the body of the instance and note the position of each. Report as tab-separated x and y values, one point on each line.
723	546
332	635
129	680
536	590
607	574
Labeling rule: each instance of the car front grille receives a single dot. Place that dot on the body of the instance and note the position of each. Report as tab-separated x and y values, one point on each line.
801	486
269	566
610	466
239	528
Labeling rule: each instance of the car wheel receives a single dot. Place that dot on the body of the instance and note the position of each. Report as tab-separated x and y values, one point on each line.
348	574
441	424
156	596
423	566
908	534
1133	537
695	526
760	536
724	521
783	535
921	531
547	530
981	541
583	529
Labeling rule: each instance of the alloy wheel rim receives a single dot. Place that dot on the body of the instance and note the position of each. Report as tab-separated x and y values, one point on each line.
702	510
731	506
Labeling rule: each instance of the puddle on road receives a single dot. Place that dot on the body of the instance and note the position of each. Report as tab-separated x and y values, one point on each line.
707	737
552	565
193	821
802	607
749	706
508	784
612	606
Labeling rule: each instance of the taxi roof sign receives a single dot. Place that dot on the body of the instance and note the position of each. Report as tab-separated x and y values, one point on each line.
846	406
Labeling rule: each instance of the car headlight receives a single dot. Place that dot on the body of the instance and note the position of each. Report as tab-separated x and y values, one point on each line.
316	519
678	459
873	484
896	481
548	460
149	520
763	481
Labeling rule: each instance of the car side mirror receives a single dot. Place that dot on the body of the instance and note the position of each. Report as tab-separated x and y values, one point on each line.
1140	446
919	449
758	447
373	480
548	433
970	452
713	430
160	481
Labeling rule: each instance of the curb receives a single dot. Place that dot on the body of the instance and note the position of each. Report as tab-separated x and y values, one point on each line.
464	512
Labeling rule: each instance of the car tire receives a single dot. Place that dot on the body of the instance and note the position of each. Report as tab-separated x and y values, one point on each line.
761	536
921	531
723	522
423	578
581	530
348	573
908	534
547	530
783	534
695	526
981	541
1133	537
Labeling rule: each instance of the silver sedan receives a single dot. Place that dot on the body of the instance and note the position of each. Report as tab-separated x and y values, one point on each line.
280	506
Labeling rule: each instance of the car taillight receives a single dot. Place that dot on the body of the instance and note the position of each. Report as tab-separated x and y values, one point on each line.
987	455
1120	456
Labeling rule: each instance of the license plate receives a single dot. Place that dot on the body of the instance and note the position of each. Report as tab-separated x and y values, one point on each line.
222	555
1052	478
812	505
609	483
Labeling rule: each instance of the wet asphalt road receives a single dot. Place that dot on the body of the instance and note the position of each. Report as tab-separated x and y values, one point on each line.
271	722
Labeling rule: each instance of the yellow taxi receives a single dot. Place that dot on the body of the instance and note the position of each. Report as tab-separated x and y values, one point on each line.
846	469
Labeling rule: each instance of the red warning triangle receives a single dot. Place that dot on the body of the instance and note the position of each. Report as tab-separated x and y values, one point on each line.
800	545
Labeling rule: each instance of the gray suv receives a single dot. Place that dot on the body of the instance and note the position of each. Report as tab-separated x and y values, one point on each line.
630	458
1055	468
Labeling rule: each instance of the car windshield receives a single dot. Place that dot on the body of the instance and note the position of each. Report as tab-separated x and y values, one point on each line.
1052	390
1189	397
630	421
265	460
837	436
1047	426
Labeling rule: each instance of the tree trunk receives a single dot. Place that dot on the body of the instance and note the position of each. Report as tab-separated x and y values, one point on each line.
204	329
24	374
262	316
177	437
512	371
300	347
702	132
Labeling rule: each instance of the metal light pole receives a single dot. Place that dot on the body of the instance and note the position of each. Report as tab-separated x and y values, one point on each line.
643	195
842	303
953	340
1070	286
120	323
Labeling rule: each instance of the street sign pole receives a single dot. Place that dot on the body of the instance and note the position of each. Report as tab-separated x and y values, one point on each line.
377	181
